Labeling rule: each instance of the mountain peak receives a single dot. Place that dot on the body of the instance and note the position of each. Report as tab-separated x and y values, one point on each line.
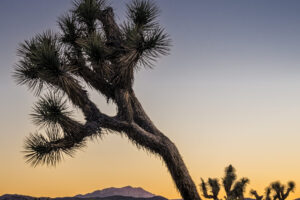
127	191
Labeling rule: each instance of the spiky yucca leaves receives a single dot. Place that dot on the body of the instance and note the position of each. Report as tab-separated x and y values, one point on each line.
145	47
41	63
43	51
63	134
144	39
143	14
88	11
97	53
71	31
281	192
40	58
51	110
49	149
94	46
26	74
214	186
143	34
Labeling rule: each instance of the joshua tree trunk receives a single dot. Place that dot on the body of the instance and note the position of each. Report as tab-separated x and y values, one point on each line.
159	144
178	170
92	48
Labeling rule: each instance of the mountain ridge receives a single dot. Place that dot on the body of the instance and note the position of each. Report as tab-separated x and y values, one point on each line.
22	197
127	191
112	193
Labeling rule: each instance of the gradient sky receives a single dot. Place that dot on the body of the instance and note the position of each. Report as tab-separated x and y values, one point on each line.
228	93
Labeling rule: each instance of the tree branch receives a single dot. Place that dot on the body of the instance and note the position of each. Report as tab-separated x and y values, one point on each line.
204	190
255	194
140	116
111	29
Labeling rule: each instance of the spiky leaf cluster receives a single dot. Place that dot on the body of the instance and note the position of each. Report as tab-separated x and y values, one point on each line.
143	14
41	63
37	55
40	149
94	46
50	110
146	47
71	30
88	11
144	38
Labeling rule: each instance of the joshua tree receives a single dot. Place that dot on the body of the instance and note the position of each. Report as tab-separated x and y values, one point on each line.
278	189
235	192
214	186
93	50
281	193
268	193
258	197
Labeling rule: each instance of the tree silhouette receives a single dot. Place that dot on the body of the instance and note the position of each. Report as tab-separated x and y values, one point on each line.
278	190
281	192
258	197
237	190
234	189
214	186
93	50
268	193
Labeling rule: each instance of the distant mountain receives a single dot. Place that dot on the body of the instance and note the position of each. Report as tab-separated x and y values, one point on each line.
127	191
16	197
21	197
